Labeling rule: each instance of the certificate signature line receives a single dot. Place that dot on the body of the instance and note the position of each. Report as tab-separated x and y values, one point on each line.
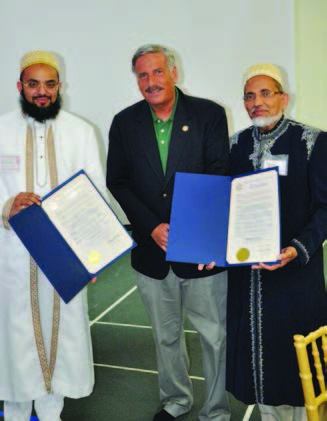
137	369
115	304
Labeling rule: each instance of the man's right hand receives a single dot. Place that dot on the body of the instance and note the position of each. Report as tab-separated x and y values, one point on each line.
22	201
210	266
160	235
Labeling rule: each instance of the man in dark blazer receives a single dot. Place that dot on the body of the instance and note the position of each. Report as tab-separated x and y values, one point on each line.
148	143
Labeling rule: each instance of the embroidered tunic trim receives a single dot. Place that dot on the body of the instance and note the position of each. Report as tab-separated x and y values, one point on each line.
303	248
256	333
309	135
264	142
47	368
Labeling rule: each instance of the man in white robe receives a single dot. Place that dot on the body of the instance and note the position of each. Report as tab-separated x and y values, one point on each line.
45	345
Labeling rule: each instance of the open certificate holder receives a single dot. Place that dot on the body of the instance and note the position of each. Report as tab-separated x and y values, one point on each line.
73	235
226	220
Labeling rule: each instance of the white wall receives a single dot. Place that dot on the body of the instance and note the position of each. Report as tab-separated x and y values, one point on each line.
311	62
215	40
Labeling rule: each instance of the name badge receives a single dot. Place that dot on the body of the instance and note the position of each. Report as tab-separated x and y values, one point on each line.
9	162
280	161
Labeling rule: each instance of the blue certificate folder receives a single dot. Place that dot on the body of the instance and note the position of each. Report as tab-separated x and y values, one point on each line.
199	221
52	253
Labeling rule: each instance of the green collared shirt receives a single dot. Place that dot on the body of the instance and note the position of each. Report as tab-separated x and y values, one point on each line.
163	132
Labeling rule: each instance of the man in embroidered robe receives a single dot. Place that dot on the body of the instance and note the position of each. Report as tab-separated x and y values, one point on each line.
45	344
267	305
148	143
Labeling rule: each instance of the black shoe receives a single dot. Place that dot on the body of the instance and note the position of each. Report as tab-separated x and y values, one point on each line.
163	416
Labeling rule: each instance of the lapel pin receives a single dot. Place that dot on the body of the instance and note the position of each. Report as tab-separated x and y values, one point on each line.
185	128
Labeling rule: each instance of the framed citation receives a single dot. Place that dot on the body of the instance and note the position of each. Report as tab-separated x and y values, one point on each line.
73	235
226	220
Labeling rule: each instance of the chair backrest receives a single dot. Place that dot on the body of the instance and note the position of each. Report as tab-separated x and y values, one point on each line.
316	342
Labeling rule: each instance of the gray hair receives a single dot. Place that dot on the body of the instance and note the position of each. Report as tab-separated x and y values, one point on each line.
154	48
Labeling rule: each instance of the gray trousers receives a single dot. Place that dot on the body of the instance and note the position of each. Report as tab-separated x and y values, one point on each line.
203	302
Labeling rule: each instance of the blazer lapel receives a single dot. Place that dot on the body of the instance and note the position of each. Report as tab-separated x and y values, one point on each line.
179	136
148	141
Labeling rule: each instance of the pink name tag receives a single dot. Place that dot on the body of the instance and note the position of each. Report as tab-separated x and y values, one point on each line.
9	162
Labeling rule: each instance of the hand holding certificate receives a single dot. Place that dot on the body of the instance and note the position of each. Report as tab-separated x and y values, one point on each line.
73	235
228	220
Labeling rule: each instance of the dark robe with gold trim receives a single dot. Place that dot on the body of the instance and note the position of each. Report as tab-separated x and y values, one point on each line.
265	309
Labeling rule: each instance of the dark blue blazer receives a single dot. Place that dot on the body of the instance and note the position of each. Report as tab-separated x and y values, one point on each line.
199	144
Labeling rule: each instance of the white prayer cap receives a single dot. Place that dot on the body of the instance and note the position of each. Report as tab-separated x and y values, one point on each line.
263	69
39	57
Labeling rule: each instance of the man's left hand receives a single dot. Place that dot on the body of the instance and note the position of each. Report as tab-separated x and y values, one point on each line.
287	255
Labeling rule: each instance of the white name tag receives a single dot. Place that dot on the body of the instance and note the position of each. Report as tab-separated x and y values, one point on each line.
9	162
280	161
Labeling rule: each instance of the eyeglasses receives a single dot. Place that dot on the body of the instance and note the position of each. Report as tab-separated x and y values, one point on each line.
49	85
265	94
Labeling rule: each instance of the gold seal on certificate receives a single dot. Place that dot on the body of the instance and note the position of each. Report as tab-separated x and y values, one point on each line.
94	257
243	254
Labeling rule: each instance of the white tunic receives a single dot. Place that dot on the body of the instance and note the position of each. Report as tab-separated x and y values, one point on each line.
21	377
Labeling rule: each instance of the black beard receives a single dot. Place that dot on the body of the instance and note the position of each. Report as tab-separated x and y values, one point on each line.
40	114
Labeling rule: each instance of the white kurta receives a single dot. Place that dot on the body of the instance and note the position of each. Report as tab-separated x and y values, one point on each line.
21	377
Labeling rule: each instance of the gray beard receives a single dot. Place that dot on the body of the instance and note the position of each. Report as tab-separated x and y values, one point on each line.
266	121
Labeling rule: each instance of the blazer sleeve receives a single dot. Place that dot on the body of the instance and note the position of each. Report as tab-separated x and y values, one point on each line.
120	185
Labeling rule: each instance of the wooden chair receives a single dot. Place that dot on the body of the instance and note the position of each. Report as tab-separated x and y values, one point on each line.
313	403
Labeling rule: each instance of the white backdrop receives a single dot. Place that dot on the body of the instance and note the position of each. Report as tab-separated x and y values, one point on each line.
215	41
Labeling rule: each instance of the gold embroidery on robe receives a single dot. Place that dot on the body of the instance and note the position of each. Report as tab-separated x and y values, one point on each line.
47	368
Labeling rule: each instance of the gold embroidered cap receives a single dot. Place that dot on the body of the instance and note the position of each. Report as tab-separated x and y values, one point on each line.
39	57
263	69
